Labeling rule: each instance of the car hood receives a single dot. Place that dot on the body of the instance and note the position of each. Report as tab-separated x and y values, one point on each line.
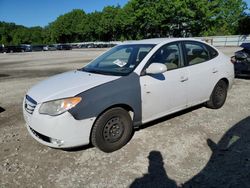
66	85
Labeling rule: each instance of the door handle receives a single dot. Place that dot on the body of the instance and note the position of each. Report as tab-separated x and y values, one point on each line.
184	79
214	70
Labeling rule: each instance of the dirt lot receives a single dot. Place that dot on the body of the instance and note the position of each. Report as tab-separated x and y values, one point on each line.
199	147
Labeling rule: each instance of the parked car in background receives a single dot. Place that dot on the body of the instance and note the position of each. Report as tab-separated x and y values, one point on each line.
26	47
36	48
83	46
111	45
74	46
97	45
241	60
51	47
12	49
88	45
64	47
129	85
1	48
91	45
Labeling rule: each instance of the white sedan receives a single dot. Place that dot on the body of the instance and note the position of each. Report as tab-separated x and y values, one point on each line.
129	85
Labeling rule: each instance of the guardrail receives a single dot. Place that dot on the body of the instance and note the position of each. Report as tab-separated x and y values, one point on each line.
223	41
219	41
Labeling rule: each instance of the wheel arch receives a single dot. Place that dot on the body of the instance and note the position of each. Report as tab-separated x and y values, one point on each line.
222	79
225	80
213	103
126	107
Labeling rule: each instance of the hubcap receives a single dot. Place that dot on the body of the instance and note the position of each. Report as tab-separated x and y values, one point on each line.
113	130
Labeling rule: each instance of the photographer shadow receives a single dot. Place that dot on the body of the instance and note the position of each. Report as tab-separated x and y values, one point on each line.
1	109
156	176
228	166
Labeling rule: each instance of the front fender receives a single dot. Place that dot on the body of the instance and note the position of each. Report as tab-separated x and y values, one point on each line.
125	90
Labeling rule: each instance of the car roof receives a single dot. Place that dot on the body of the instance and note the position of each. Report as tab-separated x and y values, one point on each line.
159	40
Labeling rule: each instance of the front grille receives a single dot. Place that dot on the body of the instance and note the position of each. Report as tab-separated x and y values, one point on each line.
29	104
40	136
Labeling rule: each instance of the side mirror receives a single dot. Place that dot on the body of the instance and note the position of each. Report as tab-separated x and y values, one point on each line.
156	68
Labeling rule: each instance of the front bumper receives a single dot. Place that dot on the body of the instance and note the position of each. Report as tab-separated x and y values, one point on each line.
61	131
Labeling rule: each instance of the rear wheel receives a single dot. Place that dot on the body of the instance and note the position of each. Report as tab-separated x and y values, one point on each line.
218	96
112	130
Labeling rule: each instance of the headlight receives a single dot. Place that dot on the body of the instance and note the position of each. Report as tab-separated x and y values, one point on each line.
57	107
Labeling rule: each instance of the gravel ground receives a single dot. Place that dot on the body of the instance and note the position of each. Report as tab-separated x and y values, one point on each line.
198	147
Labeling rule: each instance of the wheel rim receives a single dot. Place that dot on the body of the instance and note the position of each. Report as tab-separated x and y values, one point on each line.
113	130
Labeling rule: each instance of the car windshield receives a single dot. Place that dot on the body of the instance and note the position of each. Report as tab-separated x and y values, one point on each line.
120	60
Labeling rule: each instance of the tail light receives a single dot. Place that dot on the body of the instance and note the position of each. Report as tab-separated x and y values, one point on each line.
233	60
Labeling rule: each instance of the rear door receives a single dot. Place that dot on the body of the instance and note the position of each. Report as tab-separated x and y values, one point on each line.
203	71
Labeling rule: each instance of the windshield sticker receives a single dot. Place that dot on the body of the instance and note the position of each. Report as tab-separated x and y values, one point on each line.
131	66
120	63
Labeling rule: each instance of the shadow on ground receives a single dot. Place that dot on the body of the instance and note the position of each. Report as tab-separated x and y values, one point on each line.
4	75
79	148
243	77
1	109
229	165
171	116
156	176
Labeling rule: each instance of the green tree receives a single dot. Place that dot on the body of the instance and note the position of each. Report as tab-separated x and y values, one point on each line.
66	27
6	32
138	19
244	25
20	36
109	23
36	35
225	16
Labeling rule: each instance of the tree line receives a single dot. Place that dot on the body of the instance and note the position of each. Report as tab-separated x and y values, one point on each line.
138	19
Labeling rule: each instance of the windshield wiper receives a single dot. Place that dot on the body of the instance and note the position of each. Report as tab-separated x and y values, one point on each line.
90	71
97	72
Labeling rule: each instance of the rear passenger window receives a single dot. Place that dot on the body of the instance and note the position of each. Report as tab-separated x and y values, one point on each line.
196	53
212	52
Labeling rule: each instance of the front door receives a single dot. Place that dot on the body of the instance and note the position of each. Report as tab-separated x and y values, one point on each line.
164	93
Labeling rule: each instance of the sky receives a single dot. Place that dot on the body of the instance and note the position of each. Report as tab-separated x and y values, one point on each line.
42	12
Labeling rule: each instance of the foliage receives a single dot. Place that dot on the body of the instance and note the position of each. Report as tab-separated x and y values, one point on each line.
16	34
66	28
138	19
244	25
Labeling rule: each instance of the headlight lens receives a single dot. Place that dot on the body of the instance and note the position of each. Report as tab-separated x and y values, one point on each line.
57	107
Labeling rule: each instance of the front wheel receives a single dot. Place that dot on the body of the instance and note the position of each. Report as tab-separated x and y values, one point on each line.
112	130
218	96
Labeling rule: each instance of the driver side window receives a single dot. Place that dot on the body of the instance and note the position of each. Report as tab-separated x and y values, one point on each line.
168	55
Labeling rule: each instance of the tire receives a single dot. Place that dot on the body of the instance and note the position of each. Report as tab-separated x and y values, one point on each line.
218	96
112	130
